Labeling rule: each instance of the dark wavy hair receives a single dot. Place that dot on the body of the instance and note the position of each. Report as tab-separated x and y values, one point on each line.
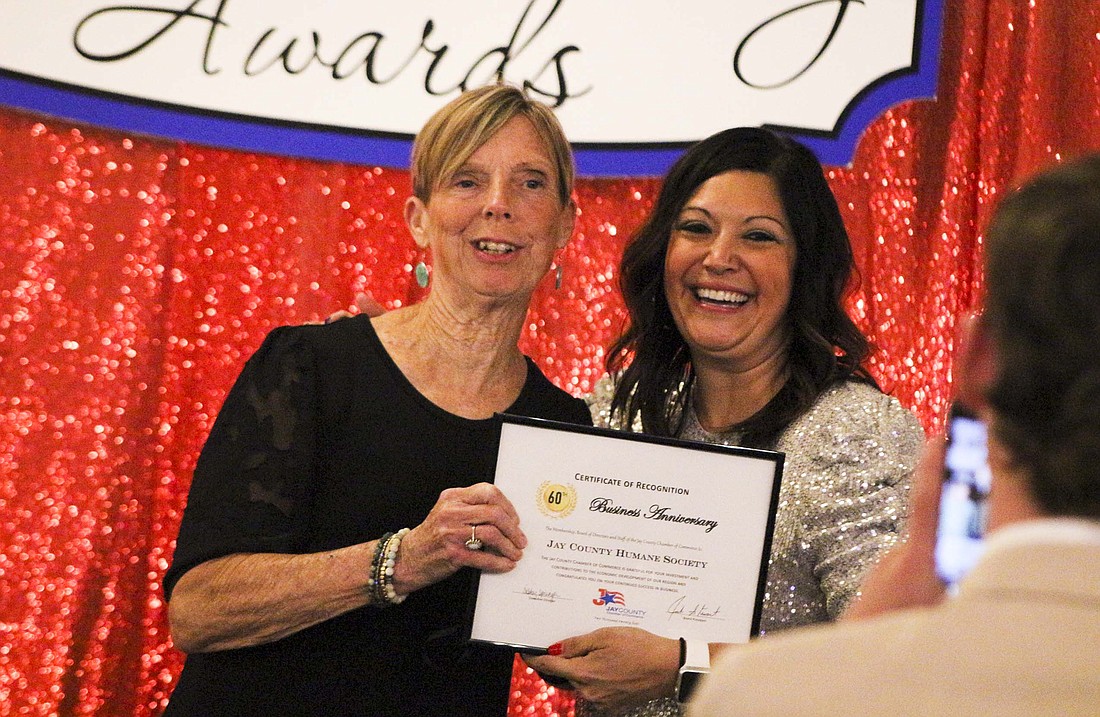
1042	310
826	346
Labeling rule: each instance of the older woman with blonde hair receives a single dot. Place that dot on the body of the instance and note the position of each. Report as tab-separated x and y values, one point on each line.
338	510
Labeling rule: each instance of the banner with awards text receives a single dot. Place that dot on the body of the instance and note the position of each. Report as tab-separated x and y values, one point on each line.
352	81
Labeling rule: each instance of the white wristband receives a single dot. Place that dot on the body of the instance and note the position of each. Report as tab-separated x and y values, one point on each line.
696	664
696	656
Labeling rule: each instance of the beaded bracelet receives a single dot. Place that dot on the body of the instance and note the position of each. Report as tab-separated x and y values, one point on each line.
379	583
373	587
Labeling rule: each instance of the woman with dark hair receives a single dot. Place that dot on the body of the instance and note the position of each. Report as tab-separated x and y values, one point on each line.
738	335
825	345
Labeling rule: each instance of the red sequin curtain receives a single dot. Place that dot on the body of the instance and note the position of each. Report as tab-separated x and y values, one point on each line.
137	275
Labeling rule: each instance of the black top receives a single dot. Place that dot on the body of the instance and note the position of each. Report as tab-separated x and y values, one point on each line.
322	443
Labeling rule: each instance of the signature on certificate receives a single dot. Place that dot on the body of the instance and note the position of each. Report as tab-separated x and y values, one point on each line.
686	608
535	594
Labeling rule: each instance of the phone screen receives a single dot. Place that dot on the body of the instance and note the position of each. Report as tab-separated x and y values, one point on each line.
963	504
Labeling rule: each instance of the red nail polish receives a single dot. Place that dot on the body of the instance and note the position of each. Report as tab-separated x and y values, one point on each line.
554	649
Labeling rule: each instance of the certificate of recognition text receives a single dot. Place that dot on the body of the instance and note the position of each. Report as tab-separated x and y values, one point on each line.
628	530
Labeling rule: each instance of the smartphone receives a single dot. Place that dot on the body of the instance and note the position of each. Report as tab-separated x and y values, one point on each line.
964	498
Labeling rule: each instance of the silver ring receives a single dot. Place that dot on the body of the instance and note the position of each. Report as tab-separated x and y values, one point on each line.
473	543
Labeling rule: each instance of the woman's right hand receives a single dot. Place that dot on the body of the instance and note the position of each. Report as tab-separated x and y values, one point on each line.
436	549
613	668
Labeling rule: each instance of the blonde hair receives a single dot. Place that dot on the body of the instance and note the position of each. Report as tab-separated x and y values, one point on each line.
465	123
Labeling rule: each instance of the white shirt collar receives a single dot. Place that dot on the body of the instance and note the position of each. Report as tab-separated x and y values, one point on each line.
1045	531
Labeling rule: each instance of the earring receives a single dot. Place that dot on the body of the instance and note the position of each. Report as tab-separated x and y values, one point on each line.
557	276
422	276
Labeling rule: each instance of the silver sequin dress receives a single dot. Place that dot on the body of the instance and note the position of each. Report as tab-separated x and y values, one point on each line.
842	501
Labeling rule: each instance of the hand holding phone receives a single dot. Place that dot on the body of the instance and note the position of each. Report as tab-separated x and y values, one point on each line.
963	500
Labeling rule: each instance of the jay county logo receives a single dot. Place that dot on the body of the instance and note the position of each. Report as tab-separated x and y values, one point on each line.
614	604
609	597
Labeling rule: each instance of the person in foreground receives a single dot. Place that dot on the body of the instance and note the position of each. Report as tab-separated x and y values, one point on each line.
297	586
737	334
1022	635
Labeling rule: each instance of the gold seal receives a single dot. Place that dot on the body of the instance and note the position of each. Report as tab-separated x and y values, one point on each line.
556	500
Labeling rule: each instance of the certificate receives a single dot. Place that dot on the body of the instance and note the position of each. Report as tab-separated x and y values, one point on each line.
625	529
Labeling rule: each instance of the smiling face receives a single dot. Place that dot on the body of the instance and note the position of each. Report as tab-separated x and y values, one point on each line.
729	269
493	226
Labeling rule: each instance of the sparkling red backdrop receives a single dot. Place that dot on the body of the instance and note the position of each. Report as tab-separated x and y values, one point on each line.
137	275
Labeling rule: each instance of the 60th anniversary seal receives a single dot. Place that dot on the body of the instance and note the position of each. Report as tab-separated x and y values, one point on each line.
556	500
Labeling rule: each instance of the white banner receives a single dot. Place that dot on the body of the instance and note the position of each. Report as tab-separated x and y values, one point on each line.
645	74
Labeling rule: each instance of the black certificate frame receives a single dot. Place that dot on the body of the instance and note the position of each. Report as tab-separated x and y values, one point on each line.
776	459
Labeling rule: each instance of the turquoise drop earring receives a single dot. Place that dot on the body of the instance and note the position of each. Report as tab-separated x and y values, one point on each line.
422	276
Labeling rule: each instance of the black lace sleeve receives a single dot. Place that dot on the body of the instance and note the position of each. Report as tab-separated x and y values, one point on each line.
251	490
